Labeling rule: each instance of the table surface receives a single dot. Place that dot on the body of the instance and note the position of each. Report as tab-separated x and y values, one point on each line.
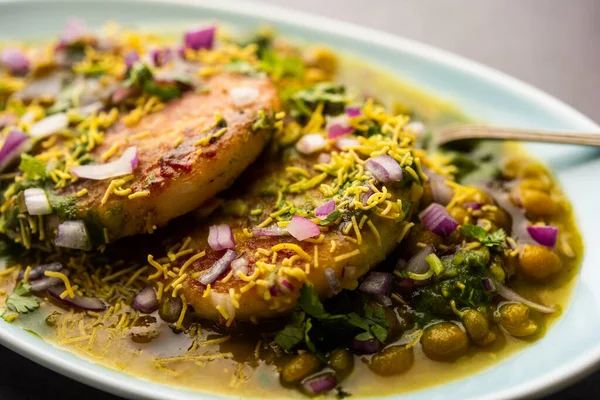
552	44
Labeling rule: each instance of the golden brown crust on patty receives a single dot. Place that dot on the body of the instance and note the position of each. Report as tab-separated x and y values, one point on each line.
179	174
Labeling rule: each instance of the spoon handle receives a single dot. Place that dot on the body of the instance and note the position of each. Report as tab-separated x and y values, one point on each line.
453	133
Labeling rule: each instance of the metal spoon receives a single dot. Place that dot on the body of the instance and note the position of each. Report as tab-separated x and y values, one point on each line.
454	133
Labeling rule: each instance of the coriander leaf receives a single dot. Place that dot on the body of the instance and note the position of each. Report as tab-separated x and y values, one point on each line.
330	218
309	301
494	239
473	232
290	336
364	336
379	332
33	167
241	67
309	343
20	301
142	75
358	321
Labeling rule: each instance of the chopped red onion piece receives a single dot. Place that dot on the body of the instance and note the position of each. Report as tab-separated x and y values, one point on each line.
510	295
310	143
416	127
202	38
74	31
270	231
82	302
46	282
15	143
286	285
338	126
160	57
121	94
239	265
365	196
334	284
37	272
441	192
218	268
325	209
131	58
301	228
544	235
437	220
37	202
353	111
377	283
73	235
319	384
384	300
125	165
347	142
15	60
473	205
49	125
384	168
275	290
146	300
324	158
417	263
220	237
369	346
338	130
488	284
243	96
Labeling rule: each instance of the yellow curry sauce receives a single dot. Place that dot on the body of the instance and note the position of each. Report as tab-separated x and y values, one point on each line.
214	358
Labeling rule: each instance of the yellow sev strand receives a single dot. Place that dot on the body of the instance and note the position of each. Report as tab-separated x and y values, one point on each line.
345	256
190	261
65	280
293	247
183	311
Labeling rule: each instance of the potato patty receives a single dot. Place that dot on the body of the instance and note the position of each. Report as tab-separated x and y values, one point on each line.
369	220
188	152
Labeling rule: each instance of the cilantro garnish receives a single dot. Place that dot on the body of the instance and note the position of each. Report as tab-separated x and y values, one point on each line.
32	167
279	67
319	329
494	239
330	218
20	300
141	75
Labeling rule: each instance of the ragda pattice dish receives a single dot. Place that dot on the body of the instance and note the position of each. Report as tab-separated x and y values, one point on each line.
228	211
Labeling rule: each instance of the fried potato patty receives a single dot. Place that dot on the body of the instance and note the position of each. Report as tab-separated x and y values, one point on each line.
274	268
188	152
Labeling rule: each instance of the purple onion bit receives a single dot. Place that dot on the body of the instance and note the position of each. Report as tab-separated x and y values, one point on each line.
131	58
437	220
15	143
202	38
38	272
334	283
488	284
218	268
146	300
82	302
319	383
161	56
384	168
325	209
377	283
368	346
417	263
544	235
353	111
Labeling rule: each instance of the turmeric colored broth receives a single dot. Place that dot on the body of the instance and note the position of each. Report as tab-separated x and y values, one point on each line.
238	361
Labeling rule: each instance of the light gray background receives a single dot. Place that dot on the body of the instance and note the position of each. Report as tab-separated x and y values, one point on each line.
552	44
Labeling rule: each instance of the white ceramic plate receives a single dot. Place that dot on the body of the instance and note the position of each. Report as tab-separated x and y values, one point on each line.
570	349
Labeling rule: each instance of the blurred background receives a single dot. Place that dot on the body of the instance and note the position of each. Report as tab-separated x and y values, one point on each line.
551	44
